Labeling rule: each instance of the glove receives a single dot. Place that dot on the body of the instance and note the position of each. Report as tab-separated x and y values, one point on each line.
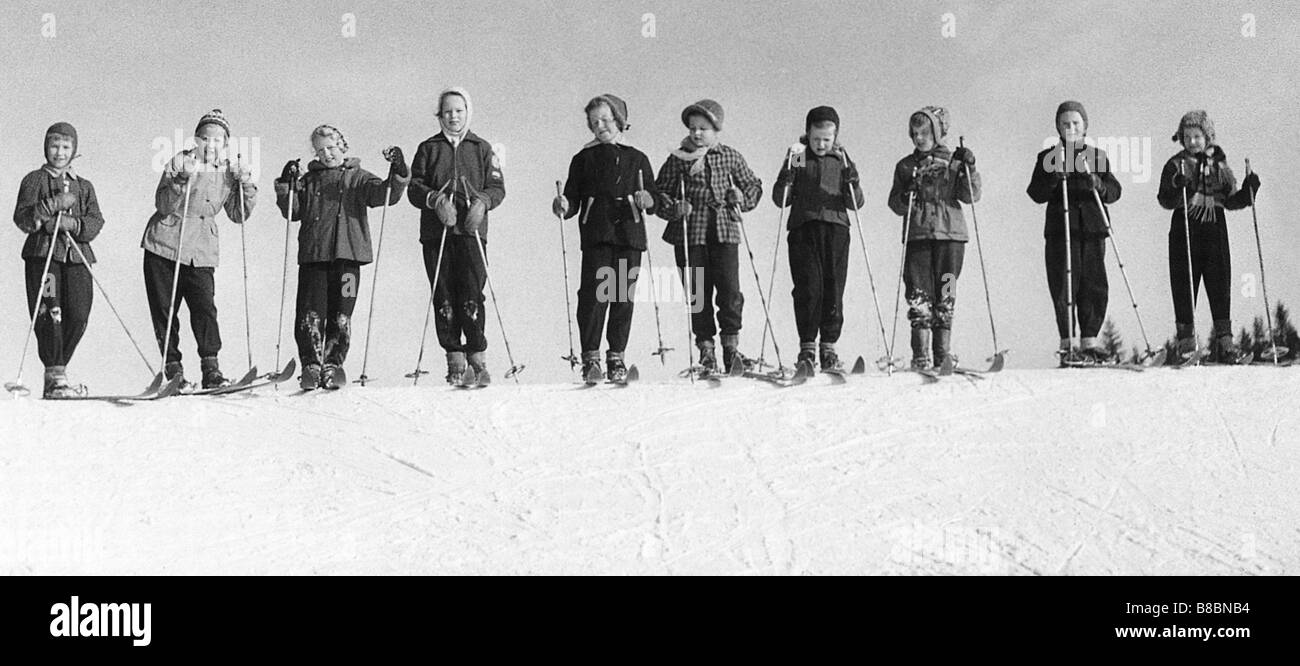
61	201
1216	154
445	209
1251	182
643	200
240	173
1180	181
1092	182
398	163
682	209
55	224
560	207
477	211
964	154
735	197
189	167
290	172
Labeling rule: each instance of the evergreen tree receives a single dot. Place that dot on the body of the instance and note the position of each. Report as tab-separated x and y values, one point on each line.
1111	340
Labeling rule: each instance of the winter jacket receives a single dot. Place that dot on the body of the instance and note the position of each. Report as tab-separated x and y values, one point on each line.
332	203
1211	188
942	187
31	213
600	188
1086	219
440	167
706	189
818	187
211	190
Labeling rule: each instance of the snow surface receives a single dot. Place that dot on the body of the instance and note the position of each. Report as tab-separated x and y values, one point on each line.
1029	472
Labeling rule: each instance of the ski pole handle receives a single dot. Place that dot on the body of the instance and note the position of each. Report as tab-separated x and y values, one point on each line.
1247	166
559	189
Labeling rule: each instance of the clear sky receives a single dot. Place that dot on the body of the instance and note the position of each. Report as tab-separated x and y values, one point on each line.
130	75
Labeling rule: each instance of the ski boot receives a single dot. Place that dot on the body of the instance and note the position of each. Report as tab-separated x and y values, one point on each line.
478	363
708	359
212	377
330	376
805	365
591	373
1068	355
57	385
175	369
310	380
830	361
1185	345
1224	349
455	367
615	370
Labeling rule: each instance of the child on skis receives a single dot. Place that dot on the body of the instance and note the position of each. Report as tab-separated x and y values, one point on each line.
609	188
455	180
333	245
57	208
1199	177
937	180
195	185
718	186
815	182
1075	170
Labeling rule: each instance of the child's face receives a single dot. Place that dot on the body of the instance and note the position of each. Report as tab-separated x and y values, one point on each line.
452	113
922	135
58	151
328	150
1194	140
1070	126
210	141
702	133
821	139
600	121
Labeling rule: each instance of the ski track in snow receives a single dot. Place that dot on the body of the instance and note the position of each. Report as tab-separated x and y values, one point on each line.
1029	472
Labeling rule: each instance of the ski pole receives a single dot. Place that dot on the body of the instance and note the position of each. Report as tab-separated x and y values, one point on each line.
902	267
103	292
176	269
243	258
1152	357
428	308
568	304
1259	249
515	369
871	278
16	387
284	274
686	284
1191	281
758	284
662	351
776	249
999	355
374	284
1069	251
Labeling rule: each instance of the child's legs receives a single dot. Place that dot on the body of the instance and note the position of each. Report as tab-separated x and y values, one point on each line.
443	312
1054	261
1179	287
806	273
724	264
700	293
158	289
627	266
344	283
1093	289
594	294
947	258
198	289
49	316
467	283
77	295
312	304
1216	262
918	282
835	271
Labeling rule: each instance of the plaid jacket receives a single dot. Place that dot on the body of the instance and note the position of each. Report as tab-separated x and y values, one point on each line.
707	192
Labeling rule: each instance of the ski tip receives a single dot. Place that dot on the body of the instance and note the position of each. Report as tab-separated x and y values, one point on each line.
997	361
859	366
633	374
155	384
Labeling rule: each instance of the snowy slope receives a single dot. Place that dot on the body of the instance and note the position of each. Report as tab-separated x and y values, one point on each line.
1031	472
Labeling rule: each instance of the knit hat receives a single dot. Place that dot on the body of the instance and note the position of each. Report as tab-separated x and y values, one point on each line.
708	108
1071	105
463	94
616	106
1196	119
213	117
821	114
938	117
63	129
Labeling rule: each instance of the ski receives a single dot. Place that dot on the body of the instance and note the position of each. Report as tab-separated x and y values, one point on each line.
859	367
150	393
837	375
266	380
700	372
593	376
244	382
775	380
1131	367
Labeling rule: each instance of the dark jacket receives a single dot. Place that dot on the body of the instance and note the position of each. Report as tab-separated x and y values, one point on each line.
31	213
1211	188
943	188
1045	187
332	203
818	187
602	180
438	167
